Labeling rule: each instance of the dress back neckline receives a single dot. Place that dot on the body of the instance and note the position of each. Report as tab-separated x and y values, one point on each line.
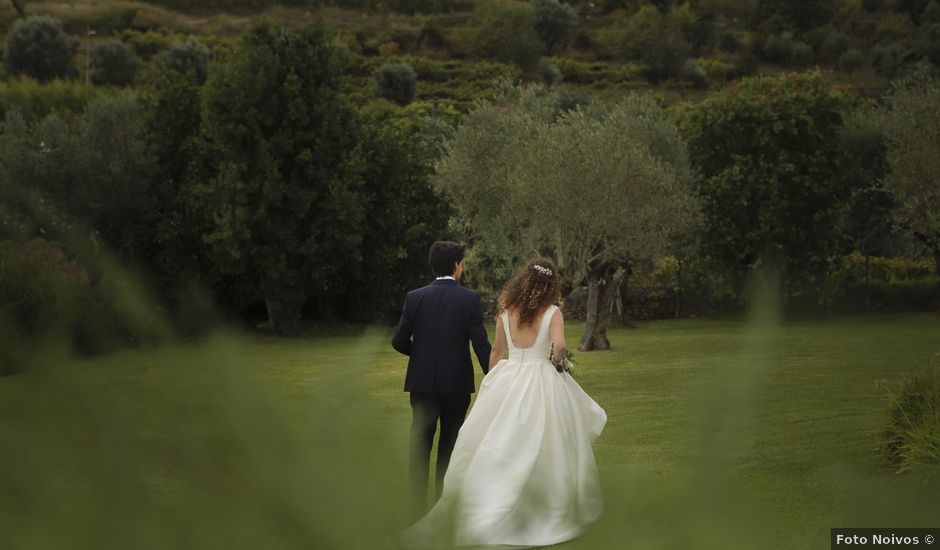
540	335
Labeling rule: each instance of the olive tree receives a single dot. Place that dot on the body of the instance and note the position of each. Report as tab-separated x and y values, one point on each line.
554	22
911	121
113	63
38	47
396	82
599	189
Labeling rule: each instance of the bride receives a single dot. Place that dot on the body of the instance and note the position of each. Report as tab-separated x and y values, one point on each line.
522	472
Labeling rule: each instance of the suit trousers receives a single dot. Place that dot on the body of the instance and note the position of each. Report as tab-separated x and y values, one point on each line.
426	410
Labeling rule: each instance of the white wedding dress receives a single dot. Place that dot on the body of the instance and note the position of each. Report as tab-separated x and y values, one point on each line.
522	472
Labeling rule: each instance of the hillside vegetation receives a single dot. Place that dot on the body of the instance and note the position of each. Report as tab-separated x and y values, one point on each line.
609	47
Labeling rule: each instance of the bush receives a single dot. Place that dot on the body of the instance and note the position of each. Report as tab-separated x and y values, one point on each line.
146	44
549	73
187	55
432	35
729	42
893	26
396	82
888	58
910	442
505	31
598	74
35	100
29	277
778	48
884	284
656	40
835	44
45	292
716	69
801	53
931	13
851	61
113	64
694	73
745	65
38	47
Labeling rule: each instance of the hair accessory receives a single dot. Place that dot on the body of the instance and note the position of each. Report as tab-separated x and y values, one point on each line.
541	269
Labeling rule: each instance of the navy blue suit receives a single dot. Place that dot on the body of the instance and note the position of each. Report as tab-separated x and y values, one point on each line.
438	324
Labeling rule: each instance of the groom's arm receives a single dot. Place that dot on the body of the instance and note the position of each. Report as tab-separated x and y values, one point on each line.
477	332
401	341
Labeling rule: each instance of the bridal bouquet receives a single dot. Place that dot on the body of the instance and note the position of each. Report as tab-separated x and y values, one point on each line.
565	364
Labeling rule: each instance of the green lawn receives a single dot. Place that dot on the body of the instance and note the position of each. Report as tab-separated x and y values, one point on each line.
721	434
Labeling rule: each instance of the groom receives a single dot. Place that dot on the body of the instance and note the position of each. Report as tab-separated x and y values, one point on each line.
437	323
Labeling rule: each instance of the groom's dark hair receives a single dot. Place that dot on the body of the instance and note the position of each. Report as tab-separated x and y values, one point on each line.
444	256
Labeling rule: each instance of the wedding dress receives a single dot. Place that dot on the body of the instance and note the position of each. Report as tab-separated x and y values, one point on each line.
522	472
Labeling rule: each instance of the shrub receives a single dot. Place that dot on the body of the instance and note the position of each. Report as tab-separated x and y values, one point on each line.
146	44
893	26
113	63
815	37
656	40
549	73
801	53
597	73
931	13
716	69
583	41
694	73
432	35
778	48
851	61
880	284
835	44
886	58
745	65
505	31
396	82
35	100
801	14
910	440
187	55
38	47
29	275
43	291
729	42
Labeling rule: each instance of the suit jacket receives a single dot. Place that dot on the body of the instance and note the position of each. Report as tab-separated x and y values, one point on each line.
438	322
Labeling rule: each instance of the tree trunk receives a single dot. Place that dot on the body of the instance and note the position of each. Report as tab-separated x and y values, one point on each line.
678	287
284	300
18	6
936	259
599	298
867	283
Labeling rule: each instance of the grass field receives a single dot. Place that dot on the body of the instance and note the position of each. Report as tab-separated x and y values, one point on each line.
721	434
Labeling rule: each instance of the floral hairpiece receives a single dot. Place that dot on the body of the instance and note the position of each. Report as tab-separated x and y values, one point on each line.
541	269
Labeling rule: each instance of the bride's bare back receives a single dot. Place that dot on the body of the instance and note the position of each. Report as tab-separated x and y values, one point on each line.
524	337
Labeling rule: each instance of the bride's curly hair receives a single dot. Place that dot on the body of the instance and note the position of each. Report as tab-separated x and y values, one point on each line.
532	289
